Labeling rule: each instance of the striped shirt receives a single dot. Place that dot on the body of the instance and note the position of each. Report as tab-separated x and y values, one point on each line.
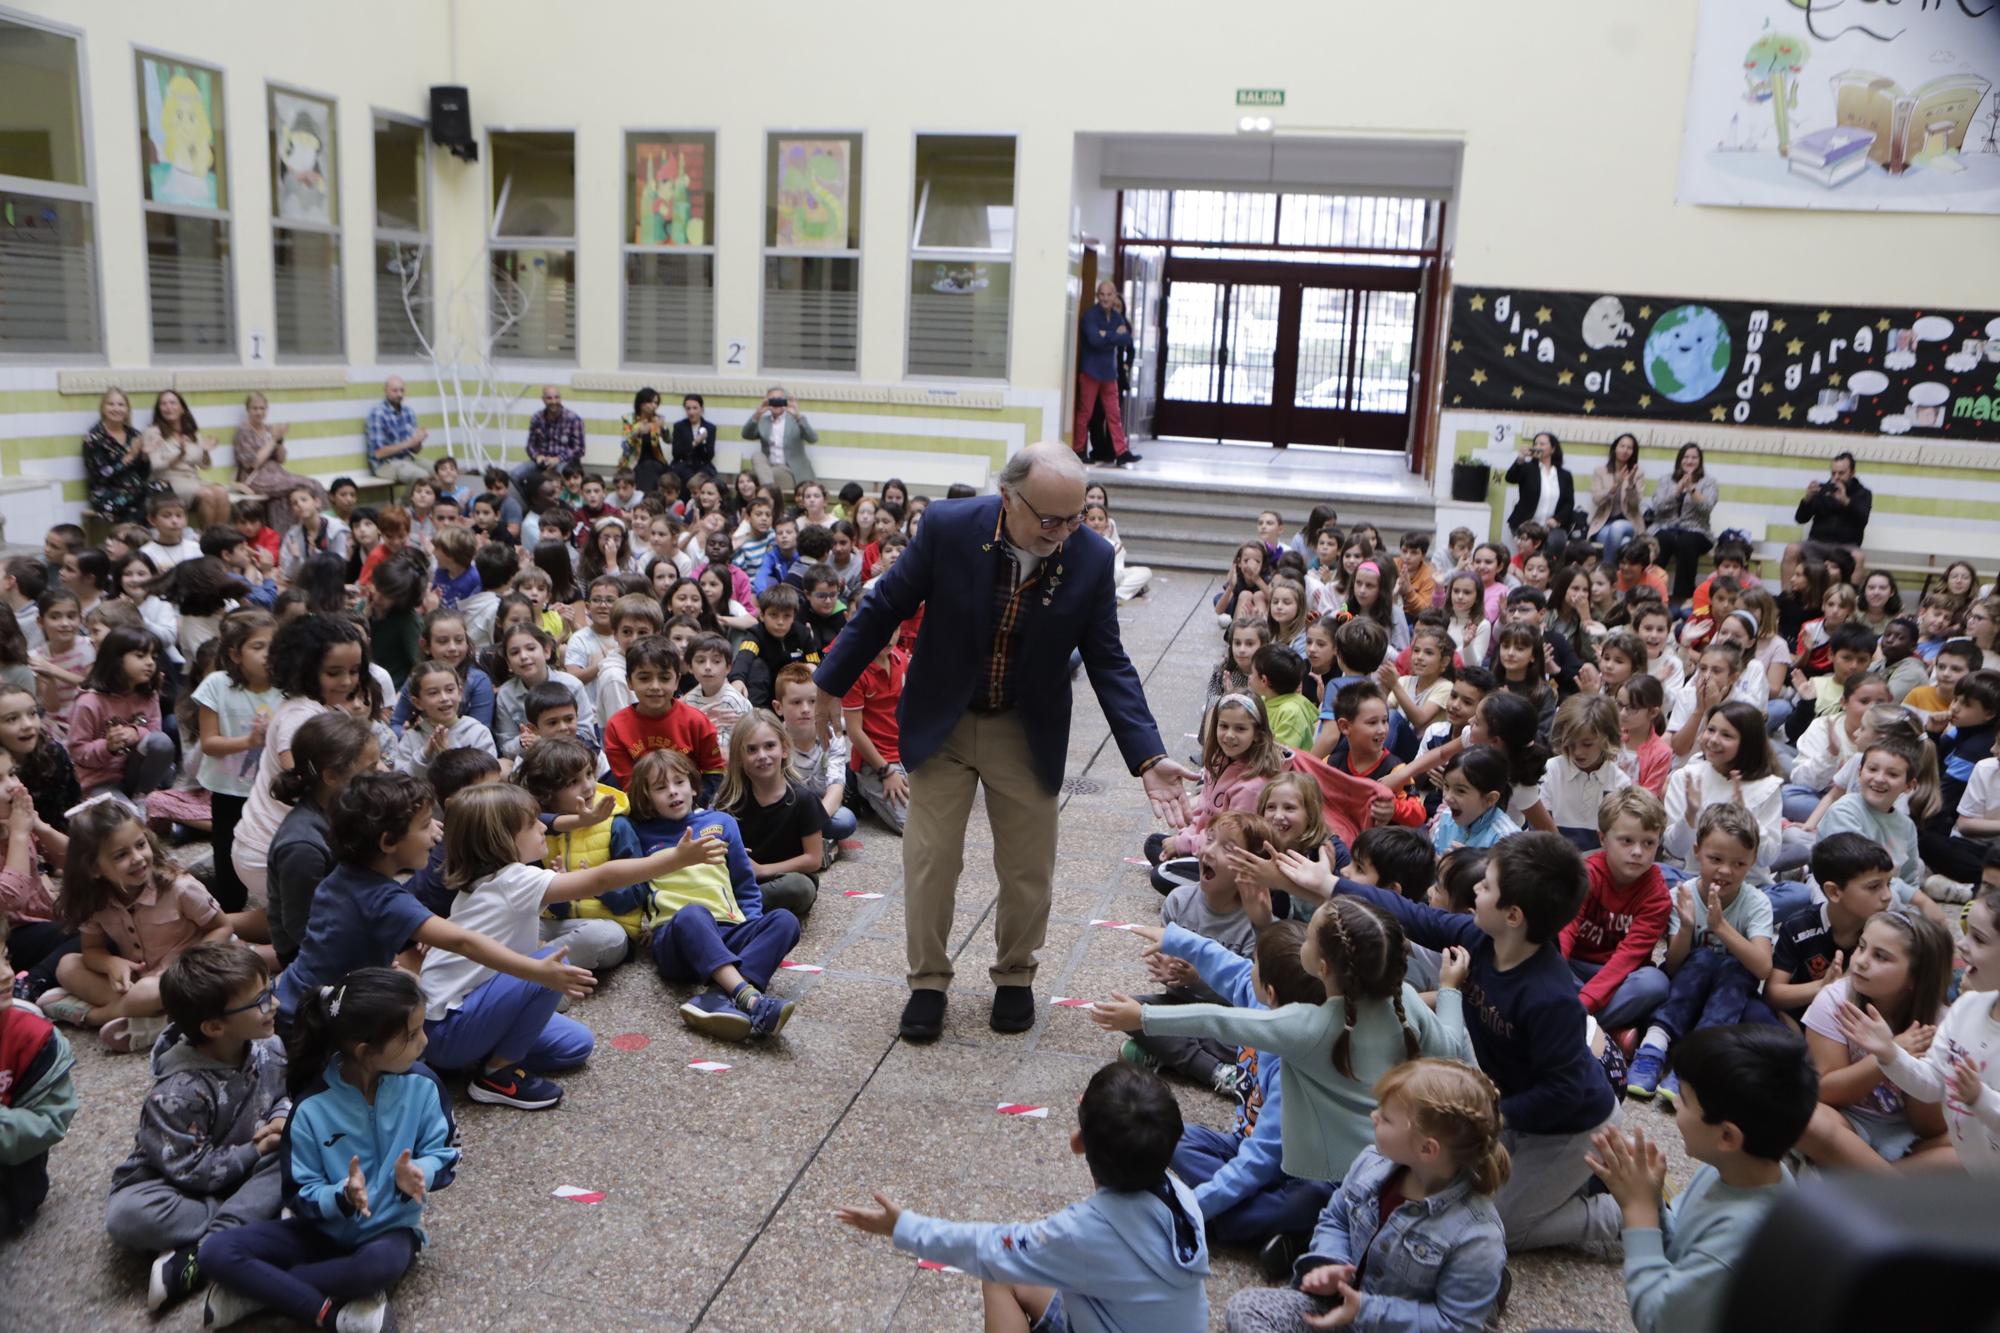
1010	590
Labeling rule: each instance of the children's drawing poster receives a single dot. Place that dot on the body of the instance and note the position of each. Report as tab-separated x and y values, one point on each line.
302	134
1845	104
1926	373
670	200
813	194
181	113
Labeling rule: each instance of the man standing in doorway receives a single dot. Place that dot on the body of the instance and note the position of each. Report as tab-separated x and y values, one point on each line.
555	440
394	437
1106	334
1010	585
1836	511
782	434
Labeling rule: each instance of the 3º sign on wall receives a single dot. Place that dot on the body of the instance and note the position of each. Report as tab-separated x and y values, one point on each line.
1260	97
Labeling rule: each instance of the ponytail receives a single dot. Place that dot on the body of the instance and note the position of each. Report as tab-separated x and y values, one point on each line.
371	1006
1363	948
329	742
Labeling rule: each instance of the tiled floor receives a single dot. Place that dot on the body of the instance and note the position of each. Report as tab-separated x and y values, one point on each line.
720	1188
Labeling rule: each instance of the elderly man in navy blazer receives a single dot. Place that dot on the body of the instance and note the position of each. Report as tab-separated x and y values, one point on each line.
1011	585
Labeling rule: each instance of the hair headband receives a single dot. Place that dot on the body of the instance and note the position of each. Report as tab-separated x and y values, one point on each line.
115	797
1243	701
1749	622
1370	566
332	995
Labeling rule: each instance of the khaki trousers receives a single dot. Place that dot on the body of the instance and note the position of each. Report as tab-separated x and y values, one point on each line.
993	752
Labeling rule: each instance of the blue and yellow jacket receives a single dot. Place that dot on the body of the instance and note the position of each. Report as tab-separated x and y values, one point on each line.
727	892
611	840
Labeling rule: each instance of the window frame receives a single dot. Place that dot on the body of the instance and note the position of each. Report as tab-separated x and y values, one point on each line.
84	194
918	252
768	190
334	230
225	216
496	242
626	249
379	235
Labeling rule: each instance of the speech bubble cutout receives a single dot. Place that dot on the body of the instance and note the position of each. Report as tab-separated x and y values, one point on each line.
1867	381
1993	327
1821	414
1896	424
1932	328
1929	394
1961	363
1900	360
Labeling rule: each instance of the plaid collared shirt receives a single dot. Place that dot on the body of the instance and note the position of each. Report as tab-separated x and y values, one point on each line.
996	692
388	424
563	438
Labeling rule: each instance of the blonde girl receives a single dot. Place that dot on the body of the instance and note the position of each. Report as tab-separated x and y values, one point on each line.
1465	605
528	650
783	825
1289	612
1438	1156
134	911
1813	653
1295	808
236	704
1239	756
1586	738
1422	694
1767	646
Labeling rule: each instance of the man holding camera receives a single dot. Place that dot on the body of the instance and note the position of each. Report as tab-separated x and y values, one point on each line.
1837	511
782	434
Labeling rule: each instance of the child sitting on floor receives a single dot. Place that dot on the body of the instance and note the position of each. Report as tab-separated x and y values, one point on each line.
1746	1094
783	827
438	725
585	825
657	720
1239	756
36	1104
1132	1255
1474	810
1816	940
205	1157
874	735
1624	915
1411	1238
819	765
1583	773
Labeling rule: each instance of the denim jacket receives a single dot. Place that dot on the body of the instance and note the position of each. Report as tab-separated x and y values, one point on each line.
1433	1267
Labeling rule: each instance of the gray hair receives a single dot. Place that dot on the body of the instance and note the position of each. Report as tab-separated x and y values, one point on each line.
1056	457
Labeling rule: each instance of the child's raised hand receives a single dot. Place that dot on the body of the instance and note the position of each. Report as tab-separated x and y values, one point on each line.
356	1189
876	1221
1386	674
1691	788
1736	785
528	737
1249	866
1836	969
1381	810
1120	1013
410	1179
1325	1280
1455	968
1684	906
558	975
1966	1085
1255	895
1714	904
20	812
1588	680
600	810
1151	934
1303	872
1633	1170
258	726
1916	1039
1801	683
440	741
693	851
1864	1028
1172	973
1342	1315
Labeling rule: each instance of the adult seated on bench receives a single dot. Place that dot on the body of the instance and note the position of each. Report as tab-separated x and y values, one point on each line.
555	441
394	437
1837	510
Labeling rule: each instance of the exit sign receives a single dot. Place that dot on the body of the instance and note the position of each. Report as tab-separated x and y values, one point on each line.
1260	97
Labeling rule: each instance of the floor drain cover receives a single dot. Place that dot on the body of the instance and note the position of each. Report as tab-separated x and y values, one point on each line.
1082	787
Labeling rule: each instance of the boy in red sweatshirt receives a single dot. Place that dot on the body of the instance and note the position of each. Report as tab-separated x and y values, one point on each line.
656	720
1626	913
37	1101
1361	711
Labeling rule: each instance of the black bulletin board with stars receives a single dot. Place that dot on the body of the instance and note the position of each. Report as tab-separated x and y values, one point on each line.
1926	373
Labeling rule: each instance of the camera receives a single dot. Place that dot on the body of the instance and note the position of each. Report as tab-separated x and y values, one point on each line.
779	401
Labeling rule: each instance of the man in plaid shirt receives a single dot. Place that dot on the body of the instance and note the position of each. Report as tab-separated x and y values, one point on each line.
394	437
555	440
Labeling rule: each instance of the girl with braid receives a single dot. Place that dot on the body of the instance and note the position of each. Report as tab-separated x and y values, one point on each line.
1330	1054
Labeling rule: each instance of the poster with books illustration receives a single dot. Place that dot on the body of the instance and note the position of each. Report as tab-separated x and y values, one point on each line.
1840	104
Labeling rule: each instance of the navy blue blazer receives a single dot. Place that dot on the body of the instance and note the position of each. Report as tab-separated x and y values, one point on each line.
949	570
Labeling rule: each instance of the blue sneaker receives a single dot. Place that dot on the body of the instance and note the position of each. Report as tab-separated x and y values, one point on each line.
514	1087
769	1014
1642	1080
714	1014
1670	1090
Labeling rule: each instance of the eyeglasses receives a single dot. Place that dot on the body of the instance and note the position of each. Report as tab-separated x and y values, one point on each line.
265	1001
1048	524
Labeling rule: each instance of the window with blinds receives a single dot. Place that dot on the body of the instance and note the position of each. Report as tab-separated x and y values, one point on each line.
812	252
402	230
48	251
184	180
961	257
305	226
531	287
669	248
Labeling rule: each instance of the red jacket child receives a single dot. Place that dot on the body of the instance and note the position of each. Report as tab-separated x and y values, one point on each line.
1616	928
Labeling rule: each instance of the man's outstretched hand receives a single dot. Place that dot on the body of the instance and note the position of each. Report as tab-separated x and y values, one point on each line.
1163	788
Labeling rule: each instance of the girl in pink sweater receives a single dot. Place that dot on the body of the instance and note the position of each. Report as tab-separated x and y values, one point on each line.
1239	755
115	739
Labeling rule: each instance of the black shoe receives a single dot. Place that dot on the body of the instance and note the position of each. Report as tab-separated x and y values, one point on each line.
923	1016
1277	1257
174	1277
1156	847
1127	459
1013	1009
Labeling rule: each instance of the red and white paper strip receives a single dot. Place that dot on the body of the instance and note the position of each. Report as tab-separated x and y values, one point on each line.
1102	924
1023	1110
857	893
575	1195
933	1266
1070	1002
801	967
707	1066
1137	861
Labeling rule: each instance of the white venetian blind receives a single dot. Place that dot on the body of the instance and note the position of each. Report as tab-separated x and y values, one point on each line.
669	309
48	276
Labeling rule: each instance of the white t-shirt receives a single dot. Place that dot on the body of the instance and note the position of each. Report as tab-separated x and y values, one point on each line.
1572	796
1968	1029
1982	792
235	709
1750	912
506	907
583	650
165	557
263	812
1545	502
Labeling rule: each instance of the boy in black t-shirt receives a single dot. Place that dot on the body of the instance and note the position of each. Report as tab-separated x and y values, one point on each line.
824	614
1816	942
778	638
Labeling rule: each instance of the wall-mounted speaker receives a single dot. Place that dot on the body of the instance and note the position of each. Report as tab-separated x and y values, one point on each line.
451	121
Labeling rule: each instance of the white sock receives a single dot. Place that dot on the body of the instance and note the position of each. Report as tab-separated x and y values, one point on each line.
1656	1039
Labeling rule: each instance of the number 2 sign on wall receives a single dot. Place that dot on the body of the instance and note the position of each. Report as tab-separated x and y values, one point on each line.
733	350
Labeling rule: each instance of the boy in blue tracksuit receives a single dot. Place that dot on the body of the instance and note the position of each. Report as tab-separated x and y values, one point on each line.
1131	1258
1244	1194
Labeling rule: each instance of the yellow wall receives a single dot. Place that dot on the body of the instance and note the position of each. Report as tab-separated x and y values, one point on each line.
1569	110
